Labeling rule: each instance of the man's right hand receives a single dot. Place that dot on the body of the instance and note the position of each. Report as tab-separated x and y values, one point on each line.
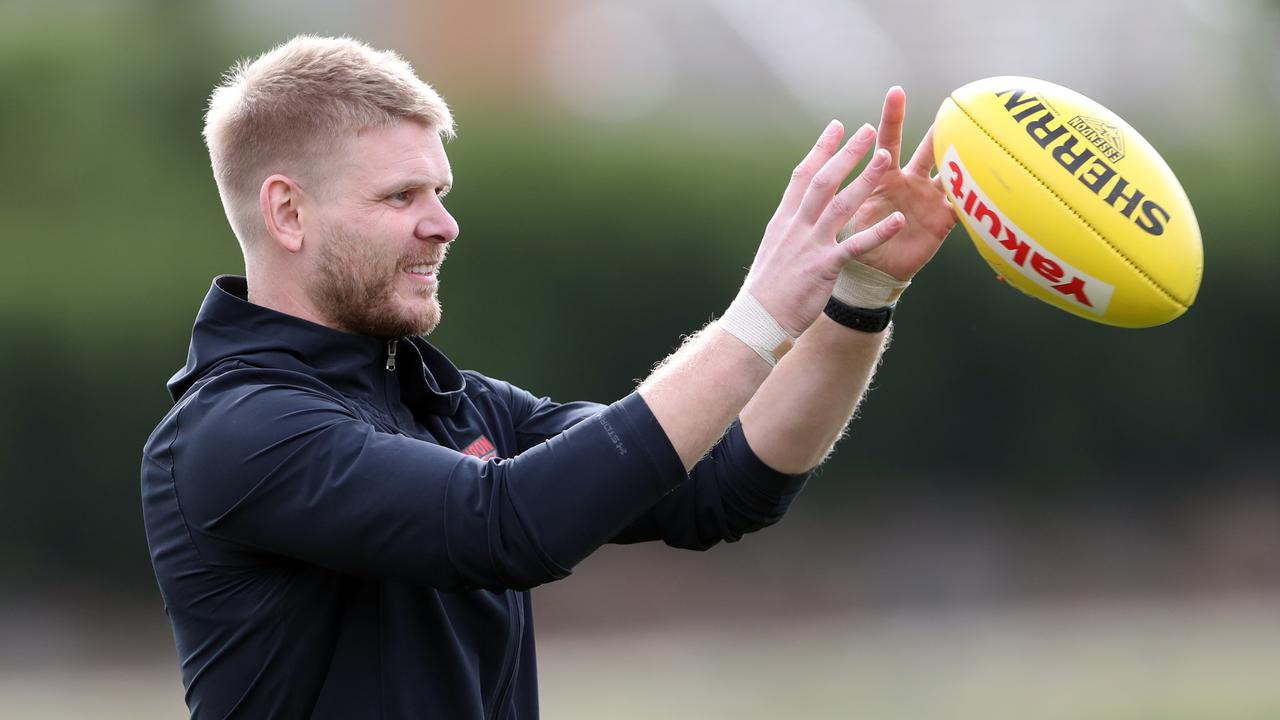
698	391
799	259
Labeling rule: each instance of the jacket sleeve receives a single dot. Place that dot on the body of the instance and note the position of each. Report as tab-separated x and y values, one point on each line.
275	465
729	493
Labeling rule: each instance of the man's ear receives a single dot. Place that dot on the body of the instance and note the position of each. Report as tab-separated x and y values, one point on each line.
280	200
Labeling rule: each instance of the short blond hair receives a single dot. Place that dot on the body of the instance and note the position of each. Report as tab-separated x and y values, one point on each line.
287	109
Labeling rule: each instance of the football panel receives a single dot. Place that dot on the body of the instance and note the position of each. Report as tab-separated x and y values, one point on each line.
1032	239
1100	167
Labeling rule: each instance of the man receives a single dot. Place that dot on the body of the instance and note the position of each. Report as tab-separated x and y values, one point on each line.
345	525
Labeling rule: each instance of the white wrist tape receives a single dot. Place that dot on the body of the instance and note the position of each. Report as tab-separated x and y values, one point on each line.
747	320
862	286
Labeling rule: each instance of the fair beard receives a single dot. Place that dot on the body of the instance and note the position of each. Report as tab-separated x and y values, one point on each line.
355	289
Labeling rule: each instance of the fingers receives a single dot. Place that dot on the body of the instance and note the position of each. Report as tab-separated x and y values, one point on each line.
828	143
955	216
921	162
891	119
871	238
841	209
827	180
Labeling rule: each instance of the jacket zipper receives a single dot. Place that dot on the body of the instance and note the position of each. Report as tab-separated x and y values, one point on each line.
502	693
515	616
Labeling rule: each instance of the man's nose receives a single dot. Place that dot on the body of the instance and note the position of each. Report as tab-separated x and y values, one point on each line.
437	226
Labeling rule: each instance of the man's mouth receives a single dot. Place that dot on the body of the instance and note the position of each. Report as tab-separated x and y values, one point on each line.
423	273
422	269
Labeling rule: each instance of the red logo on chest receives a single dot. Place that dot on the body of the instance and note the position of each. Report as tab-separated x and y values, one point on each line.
481	448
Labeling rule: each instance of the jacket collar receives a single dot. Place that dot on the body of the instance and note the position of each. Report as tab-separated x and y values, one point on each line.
229	326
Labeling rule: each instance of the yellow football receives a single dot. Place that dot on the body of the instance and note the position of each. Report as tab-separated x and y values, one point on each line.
1067	202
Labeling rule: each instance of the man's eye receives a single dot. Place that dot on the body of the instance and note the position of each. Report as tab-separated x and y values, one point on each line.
401	197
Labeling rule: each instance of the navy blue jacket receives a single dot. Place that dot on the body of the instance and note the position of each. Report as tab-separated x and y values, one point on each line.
347	527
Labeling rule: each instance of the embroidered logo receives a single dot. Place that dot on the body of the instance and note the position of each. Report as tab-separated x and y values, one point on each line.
481	448
1105	136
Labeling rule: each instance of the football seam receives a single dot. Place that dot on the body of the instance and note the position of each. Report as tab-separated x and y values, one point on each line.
1141	273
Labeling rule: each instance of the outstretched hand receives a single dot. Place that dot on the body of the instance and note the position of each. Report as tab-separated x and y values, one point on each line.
799	258
911	190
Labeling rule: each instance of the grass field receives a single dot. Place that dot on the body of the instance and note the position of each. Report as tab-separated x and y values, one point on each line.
1214	658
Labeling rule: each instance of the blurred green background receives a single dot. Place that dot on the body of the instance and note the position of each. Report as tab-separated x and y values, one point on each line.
1032	511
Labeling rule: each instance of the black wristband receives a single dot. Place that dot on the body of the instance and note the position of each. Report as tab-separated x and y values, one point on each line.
868	321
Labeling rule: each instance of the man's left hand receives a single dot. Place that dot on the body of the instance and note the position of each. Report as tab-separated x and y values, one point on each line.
913	191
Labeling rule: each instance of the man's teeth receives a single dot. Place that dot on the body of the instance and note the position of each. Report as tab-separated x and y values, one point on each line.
420	269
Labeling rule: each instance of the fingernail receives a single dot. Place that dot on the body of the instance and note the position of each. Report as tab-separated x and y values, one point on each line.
831	127
880	158
864	132
897	219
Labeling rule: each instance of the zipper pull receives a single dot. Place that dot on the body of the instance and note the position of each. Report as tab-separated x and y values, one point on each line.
391	354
